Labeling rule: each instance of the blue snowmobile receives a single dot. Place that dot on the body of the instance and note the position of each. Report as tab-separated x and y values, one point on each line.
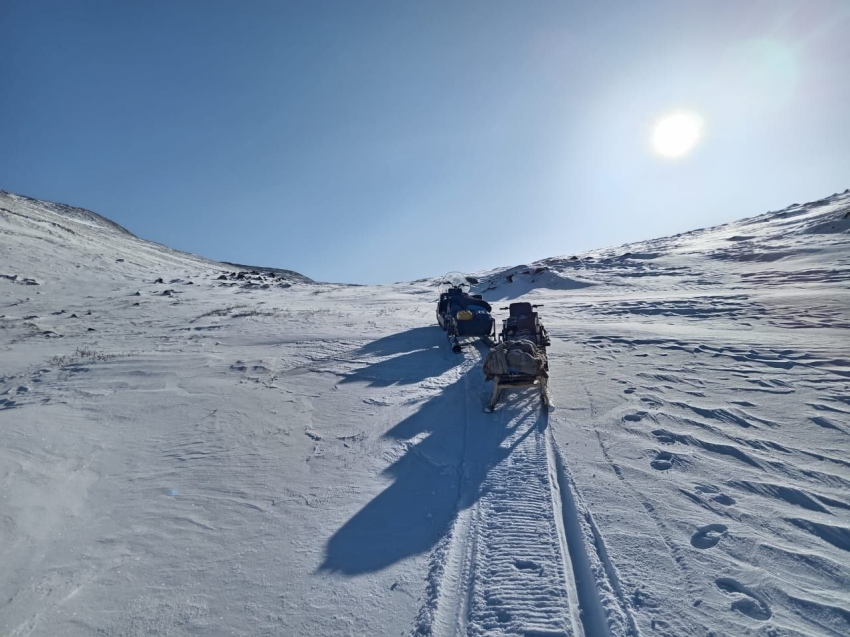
462	314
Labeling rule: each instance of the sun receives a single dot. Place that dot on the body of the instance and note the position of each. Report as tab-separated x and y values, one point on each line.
676	134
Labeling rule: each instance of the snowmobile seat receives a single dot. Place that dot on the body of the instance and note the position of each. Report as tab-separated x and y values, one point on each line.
527	322
520	309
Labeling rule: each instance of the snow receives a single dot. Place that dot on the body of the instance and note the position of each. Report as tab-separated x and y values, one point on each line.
242	451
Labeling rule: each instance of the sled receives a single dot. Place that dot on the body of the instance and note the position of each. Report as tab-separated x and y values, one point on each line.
519	360
502	382
518	364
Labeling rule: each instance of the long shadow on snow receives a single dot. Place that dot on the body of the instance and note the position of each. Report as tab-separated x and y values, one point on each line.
412	358
417	338
411	515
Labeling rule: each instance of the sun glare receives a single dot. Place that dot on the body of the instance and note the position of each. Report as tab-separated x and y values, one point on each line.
674	135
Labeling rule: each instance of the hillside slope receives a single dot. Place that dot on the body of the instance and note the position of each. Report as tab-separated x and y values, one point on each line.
55	242
229	453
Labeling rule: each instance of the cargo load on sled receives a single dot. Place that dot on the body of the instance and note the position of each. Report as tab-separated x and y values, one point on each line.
520	359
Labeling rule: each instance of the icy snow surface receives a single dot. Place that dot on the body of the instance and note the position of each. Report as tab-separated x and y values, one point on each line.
245	452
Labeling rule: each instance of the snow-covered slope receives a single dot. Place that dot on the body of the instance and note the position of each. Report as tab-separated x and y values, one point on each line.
768	248
229	453
63	244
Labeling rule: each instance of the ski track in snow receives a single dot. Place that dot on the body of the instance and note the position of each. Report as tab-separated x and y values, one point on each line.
189	447
516	560
505	570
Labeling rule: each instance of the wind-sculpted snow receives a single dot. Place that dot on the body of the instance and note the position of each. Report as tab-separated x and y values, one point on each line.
22	205
196	448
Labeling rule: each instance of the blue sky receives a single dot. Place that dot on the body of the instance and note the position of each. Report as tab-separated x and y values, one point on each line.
383	141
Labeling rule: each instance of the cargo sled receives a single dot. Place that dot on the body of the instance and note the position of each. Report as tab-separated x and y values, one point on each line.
463	315
520	359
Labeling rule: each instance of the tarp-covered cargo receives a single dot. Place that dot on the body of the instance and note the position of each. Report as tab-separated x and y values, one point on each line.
515	357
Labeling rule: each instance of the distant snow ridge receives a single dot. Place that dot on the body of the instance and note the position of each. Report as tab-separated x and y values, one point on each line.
80	215
830	215
525	278
290	275
758	239
45	241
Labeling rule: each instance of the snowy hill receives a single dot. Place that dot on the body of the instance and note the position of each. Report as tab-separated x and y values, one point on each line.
783	238
192	448
55	242
36	209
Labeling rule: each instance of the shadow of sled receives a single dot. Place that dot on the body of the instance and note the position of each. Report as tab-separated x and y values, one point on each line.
503	382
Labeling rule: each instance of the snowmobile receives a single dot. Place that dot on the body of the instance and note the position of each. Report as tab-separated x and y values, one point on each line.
462	314
520	359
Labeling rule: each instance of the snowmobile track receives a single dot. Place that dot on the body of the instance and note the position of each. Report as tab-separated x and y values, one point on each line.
520	559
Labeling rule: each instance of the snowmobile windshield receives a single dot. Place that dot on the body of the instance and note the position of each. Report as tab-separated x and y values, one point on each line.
454	280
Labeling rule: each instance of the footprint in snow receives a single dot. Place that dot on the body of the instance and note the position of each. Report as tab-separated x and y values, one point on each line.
663	437
725	500
720	498
708	536
751	603
527	565
652	401
663	461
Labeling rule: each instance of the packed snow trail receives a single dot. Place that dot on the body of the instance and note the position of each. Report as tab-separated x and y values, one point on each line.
515	561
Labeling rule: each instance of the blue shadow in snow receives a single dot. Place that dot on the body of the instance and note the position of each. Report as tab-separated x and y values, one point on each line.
410	516
415	355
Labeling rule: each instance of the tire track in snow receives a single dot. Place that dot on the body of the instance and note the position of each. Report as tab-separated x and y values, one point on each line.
518	559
